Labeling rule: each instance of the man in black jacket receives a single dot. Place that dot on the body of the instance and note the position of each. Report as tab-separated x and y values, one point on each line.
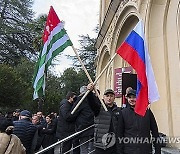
25	130
84	117
134	131
65	128
105	122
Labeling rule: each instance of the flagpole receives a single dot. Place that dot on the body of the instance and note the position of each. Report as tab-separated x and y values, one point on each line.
87	74
87	92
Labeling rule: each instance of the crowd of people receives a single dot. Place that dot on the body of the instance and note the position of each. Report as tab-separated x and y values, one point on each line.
33	132
22	132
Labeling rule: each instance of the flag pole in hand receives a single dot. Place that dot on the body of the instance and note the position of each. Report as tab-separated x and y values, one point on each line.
90	80
87	92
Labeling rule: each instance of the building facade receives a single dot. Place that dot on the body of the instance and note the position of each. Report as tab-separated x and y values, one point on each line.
162	31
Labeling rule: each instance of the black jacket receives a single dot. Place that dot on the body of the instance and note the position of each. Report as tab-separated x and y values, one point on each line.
136	129
25	130
49	136
65	126
105	122
84	117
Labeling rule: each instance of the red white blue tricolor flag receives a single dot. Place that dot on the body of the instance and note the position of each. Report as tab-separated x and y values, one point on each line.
134	51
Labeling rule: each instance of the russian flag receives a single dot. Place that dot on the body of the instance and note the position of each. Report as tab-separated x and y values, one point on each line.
134	51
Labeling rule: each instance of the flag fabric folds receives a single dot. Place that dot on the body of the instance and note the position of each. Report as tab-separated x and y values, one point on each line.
134	51
55	40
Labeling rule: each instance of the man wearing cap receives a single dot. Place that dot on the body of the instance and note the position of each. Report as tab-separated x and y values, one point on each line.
105	122
25	130
132	126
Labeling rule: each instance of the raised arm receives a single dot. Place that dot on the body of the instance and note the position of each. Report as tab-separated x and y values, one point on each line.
65	110
93	101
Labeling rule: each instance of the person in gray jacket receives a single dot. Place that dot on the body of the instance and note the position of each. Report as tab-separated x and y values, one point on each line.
105	121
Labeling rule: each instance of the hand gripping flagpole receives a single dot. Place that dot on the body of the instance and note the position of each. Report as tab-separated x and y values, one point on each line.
87	92
87	74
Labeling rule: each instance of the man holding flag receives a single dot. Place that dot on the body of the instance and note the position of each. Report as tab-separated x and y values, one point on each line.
137	123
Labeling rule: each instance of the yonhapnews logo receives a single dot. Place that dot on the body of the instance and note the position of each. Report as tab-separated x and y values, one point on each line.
108	139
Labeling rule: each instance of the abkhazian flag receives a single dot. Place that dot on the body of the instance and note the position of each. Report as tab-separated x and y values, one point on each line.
55	40
134	51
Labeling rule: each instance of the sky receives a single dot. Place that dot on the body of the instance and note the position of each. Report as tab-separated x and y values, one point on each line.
80	17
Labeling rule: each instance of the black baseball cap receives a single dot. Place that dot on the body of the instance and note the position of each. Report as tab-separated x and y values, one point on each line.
131	92
26	113
109	91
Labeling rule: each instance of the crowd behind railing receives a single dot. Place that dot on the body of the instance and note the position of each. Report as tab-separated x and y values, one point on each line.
22	132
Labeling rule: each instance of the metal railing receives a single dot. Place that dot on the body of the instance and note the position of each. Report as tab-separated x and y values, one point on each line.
79	146
66	139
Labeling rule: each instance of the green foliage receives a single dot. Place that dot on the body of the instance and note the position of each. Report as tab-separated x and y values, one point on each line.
16	88
20	41
68	81
16	35
12	87
51	100
53	94
38	28
72	80
87	53
25	69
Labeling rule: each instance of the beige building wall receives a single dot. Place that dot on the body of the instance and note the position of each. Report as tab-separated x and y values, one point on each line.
162	31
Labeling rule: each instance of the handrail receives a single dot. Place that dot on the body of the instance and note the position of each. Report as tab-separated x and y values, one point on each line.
63	140
79	145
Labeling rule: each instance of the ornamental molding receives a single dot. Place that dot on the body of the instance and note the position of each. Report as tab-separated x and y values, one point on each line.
109	35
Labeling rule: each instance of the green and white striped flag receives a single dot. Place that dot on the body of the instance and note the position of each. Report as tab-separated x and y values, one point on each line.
55	40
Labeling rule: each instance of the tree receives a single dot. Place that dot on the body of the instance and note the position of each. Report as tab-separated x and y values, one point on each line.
53	94
25	69
68	81
12	87
87	53
38	27
16	33
72	80
16	90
